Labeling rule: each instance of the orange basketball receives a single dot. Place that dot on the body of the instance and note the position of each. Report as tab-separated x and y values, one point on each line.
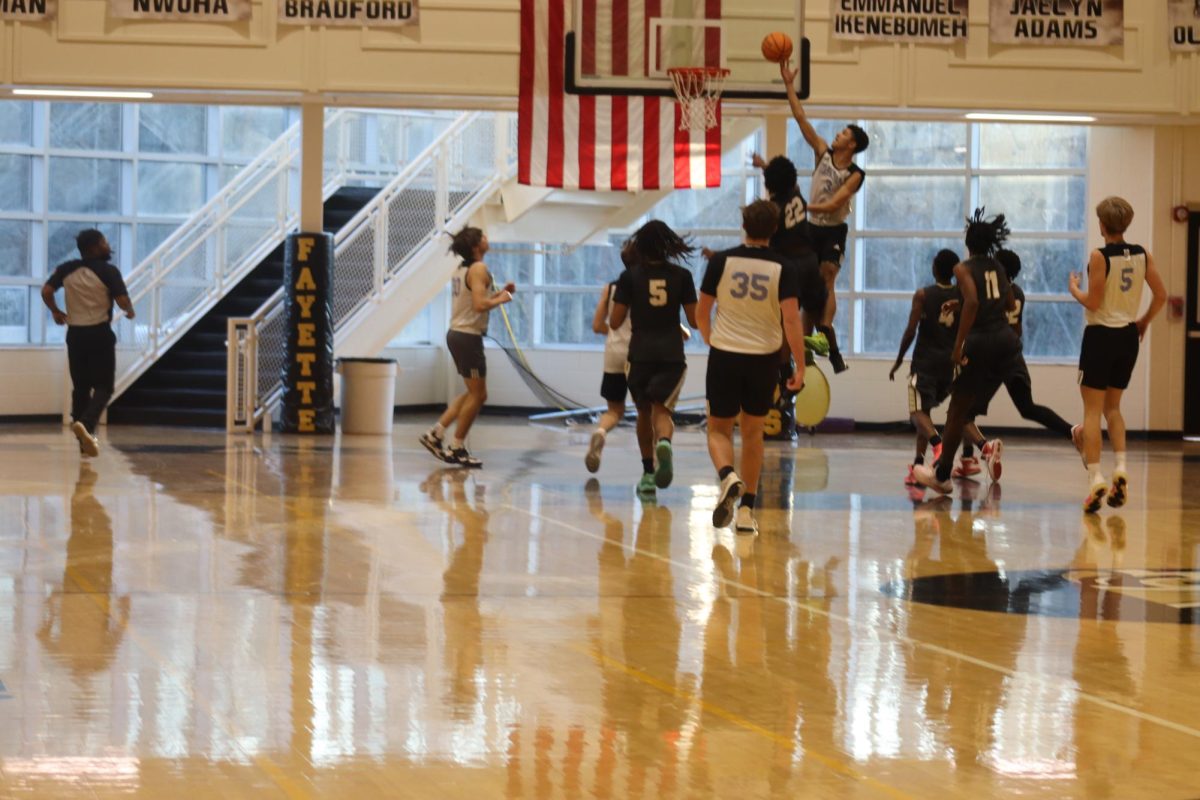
777	47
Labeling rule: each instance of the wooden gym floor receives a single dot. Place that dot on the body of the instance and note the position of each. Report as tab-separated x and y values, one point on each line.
191	615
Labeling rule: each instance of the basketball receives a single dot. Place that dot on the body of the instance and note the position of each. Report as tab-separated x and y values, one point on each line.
777	47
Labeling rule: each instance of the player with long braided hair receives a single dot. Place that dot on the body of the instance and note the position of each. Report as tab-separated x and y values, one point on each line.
986	348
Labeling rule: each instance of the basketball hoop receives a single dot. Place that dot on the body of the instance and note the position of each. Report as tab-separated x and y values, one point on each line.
698	90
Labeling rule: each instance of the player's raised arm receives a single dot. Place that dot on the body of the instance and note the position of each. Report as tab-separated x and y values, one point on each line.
811	136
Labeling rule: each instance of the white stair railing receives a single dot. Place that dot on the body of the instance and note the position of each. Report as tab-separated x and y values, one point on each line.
438	190
214	249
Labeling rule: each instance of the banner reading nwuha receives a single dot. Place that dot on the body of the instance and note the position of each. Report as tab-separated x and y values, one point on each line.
900	20
1093	23
28	10
350	13
190	10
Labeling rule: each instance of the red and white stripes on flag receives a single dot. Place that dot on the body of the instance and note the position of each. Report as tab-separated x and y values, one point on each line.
603	143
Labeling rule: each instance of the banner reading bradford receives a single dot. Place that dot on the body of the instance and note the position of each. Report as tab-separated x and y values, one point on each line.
900	20
355	13
27	10
194	10
1091	23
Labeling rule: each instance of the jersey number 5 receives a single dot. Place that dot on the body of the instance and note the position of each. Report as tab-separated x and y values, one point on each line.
992	284
1126	278
658	292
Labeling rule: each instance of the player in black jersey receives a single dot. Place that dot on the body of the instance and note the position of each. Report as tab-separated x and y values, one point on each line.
791	237
932	322
1018	383
652	292
985	349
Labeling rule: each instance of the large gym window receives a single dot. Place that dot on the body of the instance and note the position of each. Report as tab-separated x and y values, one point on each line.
133	171
923	178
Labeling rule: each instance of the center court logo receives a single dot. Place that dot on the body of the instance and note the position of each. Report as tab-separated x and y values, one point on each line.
1130	595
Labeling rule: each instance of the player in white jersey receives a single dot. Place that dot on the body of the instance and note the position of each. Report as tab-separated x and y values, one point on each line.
835	179
473	297
614	385
1116	274
751	286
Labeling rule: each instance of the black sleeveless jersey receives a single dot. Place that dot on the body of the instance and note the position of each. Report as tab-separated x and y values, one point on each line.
991	287
655	293
791	238
937	328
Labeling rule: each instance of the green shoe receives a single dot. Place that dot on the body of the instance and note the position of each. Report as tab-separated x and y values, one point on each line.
817	343
663	473
645	486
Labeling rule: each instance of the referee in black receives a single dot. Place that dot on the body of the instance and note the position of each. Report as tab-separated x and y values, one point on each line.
92	284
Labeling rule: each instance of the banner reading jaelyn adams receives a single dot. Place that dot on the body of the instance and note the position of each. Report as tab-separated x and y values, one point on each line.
349	13
189	10
28	10
1086	23
930	21
1184	23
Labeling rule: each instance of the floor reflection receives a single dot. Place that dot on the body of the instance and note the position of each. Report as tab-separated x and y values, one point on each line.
315	617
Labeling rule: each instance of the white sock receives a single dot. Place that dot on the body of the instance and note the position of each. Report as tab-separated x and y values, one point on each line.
1094	475
457	444
601	431
438	430
1121	460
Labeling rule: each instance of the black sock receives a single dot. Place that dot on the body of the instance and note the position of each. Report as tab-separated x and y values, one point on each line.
748	500
943	471
935	440
919	460
647	465
968	450
724	472
980	444
830	337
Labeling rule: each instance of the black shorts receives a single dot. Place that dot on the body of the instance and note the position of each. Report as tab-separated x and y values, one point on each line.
830	242
1107	356
467	351
613	387
655	381
1017	382
991	357
738	382
813	293
929	388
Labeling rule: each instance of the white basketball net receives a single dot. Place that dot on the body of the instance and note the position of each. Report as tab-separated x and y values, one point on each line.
698	90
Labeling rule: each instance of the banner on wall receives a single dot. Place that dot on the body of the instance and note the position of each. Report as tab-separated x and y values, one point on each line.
349	13
307	376
1088	23
186	10
28	10
930	21
1185	25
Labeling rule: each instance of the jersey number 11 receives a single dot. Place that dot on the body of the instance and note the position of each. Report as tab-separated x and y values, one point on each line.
992	284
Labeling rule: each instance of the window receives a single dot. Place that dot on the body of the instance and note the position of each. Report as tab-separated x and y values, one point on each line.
923	178
133	171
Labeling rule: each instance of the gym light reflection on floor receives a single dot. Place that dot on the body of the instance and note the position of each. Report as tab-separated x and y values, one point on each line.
277	616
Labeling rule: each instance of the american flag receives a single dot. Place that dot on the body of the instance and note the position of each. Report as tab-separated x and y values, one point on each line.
606	142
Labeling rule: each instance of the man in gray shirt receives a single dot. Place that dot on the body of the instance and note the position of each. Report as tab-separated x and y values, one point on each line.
92	284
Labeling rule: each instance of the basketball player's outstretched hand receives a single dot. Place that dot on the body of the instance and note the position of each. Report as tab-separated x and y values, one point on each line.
757	161
789	74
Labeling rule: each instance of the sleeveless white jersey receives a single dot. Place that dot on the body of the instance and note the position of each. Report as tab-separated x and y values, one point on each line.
616	344
826	180
748	283
1125	265
463	316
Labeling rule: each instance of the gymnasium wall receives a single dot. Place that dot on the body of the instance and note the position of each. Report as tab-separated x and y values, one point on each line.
465	51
